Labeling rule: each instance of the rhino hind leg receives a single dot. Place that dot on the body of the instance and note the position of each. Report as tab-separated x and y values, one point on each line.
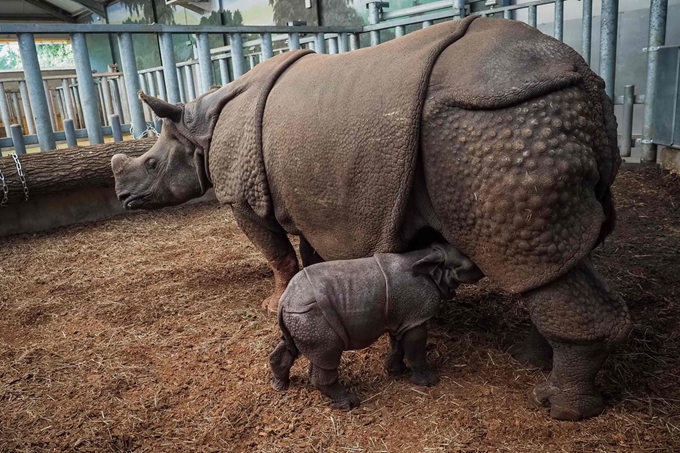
308	254
394	362
281	360
326	381
414	343
533	350
582	320
275	247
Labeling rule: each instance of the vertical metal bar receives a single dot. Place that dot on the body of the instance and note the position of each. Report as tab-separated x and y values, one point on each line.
343	43
459	8
148	116
68	100
627	123
427	23
116	130
16	107
79	108
122	89
657	37
160	85
587	30
169	68
18	139
116	100
399	31
4	110
100	107
373	19
60	104
354	41
532	16
88	97
333	46
267	48
36	91
507	14
251	61
224	70
320	43
150	84
204	62
50	105
237	55
108	99
26	103
294	41
70	133
189	78
129	66
608	28
180	80
559	19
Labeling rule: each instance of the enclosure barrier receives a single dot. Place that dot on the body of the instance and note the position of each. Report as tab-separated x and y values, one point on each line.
91	105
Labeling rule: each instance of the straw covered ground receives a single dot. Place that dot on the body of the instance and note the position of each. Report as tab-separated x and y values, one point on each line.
144	333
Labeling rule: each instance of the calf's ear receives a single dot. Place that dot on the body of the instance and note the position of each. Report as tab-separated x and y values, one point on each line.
161	108
434	266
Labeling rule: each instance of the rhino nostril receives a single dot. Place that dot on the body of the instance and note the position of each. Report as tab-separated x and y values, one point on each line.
123	196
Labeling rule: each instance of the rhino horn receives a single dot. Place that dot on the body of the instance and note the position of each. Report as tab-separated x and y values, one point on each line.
161	108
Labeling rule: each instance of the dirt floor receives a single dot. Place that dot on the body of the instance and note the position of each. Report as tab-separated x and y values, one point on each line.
144	333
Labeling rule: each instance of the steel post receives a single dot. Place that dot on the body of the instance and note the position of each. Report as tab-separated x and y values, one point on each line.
204	62
237	55
16	106
150	84
26	104
224	70
343	43
267	47
559	20
70	133
148	116
116	130
189	78
4	110
532	16
68	99
373	19
294	41
657	37
116	100
320	43
587	29
333	46
427	23
18	139
399	31
507	14
169	68
129	66
127	112
354	41
627	123
88	98
75	94
50	105
108	99
459	8
160	85
251	61
180	80
608	29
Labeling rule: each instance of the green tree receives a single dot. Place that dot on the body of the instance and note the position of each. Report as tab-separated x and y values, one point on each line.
290	10
339	12
9	58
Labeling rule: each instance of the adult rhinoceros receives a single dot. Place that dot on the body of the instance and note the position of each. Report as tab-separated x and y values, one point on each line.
482	131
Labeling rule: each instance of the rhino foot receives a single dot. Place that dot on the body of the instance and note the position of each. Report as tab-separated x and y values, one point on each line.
567	405
425	378
271	303
346	403
280	384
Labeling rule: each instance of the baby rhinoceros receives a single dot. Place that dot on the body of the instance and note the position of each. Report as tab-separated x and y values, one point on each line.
337	306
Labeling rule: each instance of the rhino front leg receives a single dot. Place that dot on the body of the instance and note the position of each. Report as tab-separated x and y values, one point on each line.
414	343
276	248
534	350
582	320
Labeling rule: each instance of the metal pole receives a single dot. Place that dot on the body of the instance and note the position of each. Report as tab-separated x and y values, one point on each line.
459	8
129	66
627	123
106	94
169	68
532	16
267	50
127	112
189	78
18	139
148	116
343	43
251	61
116	131
608	29
354	41
399	31
373	19
26	103
224	70
160	83
60	104
68	100
559	19
320	43
88	98
36	91
294	41
507	14
75	94
115	98
657	37
204	62
50	105
427	23
237	55
70	133
333	46
16	107
587	29
4	110
180	80
150	85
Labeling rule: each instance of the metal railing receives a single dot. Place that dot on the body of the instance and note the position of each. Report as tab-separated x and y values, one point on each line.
93	104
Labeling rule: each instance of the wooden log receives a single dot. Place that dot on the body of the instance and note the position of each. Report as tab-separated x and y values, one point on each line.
64	169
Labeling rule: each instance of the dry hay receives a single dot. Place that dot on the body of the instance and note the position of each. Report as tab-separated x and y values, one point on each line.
144	333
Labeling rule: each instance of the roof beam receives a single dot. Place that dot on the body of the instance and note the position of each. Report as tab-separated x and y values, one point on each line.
53	10
93	6
29	17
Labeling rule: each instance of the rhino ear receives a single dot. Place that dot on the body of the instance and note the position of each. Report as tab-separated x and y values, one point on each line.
434	266
161	108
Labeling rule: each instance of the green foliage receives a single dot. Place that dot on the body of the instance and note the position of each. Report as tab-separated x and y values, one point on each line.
333	12
9	58
50	55
290	10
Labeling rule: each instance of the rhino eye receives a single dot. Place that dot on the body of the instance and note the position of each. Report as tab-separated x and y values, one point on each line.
151	164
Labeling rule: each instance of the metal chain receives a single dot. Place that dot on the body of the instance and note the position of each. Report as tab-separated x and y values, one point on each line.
5	190
149	128
20	173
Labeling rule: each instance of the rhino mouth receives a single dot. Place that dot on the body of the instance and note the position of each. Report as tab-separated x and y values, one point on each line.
131	202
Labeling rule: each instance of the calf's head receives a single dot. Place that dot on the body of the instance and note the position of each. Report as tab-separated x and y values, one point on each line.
174	169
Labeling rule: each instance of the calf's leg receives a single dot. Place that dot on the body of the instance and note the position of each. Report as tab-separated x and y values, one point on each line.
414	342
281	360
273	242
582	320
326	381
394	362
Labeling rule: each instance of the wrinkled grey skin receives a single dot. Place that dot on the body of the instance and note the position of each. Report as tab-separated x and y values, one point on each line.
345	305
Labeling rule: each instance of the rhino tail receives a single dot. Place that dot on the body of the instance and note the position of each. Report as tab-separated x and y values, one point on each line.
285	333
